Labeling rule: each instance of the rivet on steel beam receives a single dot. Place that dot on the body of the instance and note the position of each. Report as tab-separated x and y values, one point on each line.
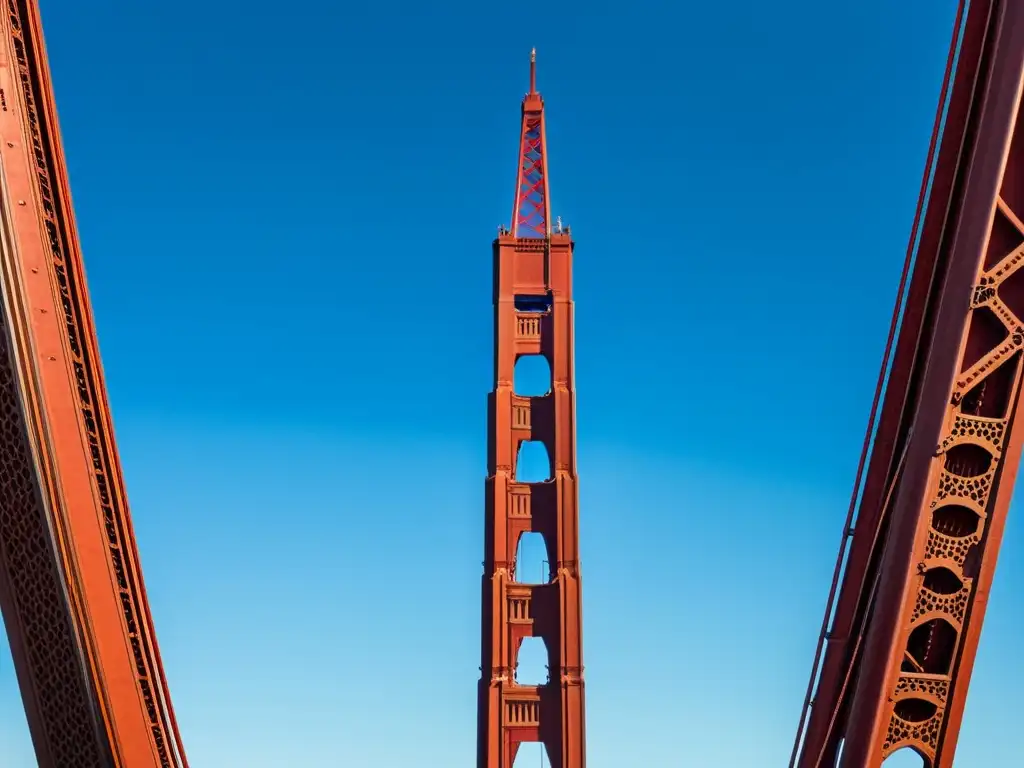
51	357
35	270
10	143
21	202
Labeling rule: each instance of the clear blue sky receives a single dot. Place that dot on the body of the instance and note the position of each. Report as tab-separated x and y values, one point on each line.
287	211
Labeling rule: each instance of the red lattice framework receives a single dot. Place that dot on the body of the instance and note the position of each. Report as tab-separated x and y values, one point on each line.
909	597
531	216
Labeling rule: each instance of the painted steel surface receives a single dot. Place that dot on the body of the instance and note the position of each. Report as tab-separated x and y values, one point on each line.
71	584
533	315
941	454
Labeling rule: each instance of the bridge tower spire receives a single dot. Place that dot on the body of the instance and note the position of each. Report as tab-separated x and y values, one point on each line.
531	216
533	315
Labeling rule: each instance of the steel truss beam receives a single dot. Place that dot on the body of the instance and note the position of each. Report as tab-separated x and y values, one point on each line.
71	586
928	513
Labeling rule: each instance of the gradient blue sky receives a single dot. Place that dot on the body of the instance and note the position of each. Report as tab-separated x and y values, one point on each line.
287	211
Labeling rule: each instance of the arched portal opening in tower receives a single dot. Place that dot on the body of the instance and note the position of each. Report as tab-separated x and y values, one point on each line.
905	758
532	667
533	464
532	376
532	754
531	565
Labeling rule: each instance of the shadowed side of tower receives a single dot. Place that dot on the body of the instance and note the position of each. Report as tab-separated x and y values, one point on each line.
533	315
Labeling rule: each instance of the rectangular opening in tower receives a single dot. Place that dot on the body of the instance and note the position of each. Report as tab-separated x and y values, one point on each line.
533	303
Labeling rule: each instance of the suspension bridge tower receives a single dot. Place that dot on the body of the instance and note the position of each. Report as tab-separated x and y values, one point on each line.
533	315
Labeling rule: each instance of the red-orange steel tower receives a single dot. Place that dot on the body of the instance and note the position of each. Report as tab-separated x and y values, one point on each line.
533	315
942	454
71	587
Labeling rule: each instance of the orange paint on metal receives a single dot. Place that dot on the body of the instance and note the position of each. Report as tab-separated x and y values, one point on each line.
533	271
899	651
112	706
